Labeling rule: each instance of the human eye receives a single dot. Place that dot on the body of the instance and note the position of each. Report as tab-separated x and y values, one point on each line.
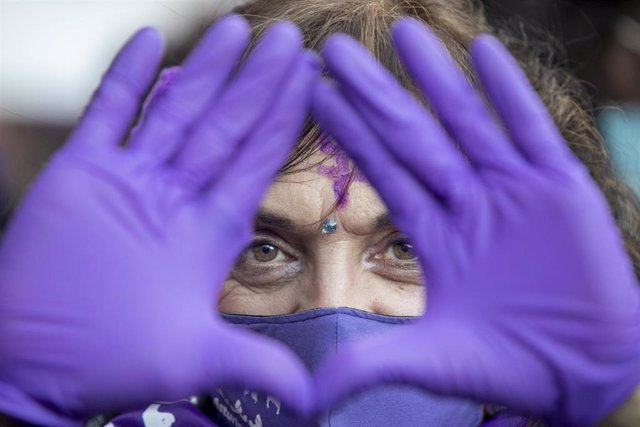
395	259
401	250
268	260
264	252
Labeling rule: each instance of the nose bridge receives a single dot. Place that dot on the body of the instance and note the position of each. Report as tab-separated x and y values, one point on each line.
330	285
333	281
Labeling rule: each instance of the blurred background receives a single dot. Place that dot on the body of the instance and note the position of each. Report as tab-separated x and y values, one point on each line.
53	53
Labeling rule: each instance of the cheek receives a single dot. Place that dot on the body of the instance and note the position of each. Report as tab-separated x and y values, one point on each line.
364	291
237	299
392	298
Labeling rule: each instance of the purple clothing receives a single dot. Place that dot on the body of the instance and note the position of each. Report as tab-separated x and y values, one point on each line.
184	414
176	414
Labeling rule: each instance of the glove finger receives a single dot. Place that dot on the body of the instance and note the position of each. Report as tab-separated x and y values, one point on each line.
459	107
250	173
202	77
413	209
115	103
407	130
256	362
246	101
523	112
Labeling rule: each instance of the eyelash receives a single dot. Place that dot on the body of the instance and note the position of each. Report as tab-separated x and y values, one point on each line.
265	241
266	274
380	259
393	269
398	240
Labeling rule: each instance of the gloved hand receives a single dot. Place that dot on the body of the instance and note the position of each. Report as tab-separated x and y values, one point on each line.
110	270
532	301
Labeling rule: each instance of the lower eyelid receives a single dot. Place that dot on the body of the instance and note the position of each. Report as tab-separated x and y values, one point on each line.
407	266
267	273
371	257
407	271
267	286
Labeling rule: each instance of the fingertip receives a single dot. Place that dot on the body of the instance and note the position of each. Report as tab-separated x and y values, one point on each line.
280	45
151	34
141	55
337	44
233	24
313	60
233	29
323	97
492	60
146	42
484	43
233	20
287	30
407	24
312	64
334	40
413	40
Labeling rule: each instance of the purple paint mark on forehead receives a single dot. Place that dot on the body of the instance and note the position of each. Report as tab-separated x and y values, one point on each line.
339	172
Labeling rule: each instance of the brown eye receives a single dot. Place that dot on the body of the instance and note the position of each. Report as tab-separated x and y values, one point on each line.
404	251
264	252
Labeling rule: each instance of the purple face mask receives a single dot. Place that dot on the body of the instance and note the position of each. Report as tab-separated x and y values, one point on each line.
315	334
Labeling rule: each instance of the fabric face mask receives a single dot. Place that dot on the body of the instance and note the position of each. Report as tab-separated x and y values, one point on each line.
313	335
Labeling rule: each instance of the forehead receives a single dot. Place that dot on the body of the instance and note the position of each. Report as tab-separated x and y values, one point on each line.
307	196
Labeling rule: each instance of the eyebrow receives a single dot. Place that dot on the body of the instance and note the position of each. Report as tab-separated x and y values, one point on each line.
381	221
270	219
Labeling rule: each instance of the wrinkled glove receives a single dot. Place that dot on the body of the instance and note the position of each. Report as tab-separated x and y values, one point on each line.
110	269
532	299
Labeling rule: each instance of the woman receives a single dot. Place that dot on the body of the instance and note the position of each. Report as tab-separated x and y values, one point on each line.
518	249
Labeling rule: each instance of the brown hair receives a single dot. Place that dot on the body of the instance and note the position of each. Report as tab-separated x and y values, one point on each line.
457	22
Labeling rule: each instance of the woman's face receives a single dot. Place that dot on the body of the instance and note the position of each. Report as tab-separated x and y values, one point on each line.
291	266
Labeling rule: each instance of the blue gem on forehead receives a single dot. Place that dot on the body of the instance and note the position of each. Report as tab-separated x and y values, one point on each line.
329	226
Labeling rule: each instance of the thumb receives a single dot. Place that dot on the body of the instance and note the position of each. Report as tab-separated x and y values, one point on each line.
413	355
249	360
396	357
442	356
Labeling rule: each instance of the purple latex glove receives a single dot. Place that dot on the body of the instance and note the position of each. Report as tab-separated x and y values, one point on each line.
110	270
532	299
